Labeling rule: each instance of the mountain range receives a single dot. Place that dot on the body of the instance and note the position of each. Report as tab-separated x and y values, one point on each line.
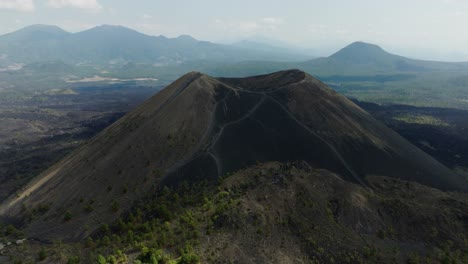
108	44
116	45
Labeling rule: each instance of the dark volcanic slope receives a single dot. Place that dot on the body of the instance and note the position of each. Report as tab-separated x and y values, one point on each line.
289	116
201	128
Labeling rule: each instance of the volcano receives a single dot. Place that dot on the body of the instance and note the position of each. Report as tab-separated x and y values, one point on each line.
201	128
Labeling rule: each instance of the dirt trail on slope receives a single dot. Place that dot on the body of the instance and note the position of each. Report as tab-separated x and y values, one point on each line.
27	191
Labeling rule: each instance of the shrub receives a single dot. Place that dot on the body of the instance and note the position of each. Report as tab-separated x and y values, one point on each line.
115	206
105	241
67	217
381	234
88	208
150	256
101	259
10	230
413	259
112	260
42	255
42	208
105	229
73	260
188	256
89	242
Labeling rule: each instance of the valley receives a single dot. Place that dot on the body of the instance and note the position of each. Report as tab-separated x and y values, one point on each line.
39	130
440	132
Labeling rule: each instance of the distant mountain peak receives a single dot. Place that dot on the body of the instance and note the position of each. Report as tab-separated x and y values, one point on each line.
362	44
111	30
362	52
35	32
186	38
42	28
108	26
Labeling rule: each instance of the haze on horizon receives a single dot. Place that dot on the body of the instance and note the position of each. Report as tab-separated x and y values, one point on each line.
426	29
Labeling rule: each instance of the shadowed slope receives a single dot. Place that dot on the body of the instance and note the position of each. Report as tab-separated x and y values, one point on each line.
200	128
118	165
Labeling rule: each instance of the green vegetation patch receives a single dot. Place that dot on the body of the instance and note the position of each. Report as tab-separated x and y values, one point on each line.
274	212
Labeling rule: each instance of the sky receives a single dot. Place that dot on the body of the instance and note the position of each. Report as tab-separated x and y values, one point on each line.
427	29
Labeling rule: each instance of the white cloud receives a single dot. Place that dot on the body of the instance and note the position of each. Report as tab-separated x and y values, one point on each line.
342	31
452	1
148	28
146	16
317	28
272	21
83	4
113	11
76	26
249	27
20	5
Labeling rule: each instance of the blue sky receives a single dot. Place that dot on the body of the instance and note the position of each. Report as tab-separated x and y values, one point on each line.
434	29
